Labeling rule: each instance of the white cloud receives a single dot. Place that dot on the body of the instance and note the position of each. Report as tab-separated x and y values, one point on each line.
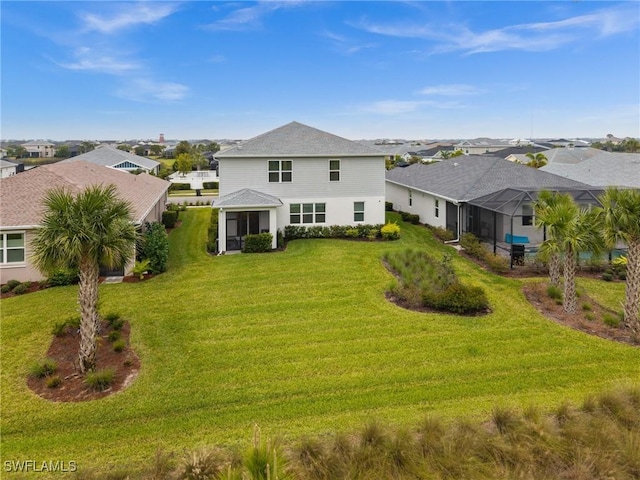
392	107
347	45
451	90
250	18
127	16
90	60
538	36
147	90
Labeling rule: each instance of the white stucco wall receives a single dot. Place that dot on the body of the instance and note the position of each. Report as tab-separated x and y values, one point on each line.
422	204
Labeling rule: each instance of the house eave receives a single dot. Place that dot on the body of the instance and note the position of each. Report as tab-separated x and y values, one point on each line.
416	189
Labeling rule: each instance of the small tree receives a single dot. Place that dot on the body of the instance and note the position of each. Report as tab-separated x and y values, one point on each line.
155	247
536	160
184	163
63	151
85	231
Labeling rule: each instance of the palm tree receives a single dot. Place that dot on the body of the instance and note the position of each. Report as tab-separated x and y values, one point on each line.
621	223
571	230
536	161
85	231
546	209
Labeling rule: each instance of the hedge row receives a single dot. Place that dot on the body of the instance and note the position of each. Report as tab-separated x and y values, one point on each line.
363	231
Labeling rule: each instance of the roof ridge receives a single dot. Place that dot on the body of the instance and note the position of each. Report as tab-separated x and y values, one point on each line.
484	174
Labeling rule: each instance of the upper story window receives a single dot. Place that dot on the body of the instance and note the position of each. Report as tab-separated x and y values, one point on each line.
307	213
280	171
527	215
358	211
12	247
334	170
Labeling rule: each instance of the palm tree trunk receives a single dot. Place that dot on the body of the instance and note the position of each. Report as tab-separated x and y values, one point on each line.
554	269
632	291
570	302
88	301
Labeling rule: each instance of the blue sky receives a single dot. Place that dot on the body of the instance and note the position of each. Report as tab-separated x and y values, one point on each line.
419	70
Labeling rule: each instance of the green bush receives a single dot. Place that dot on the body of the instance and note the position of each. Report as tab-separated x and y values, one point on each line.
61	278
442	234
141	267
410	218
20	289
179	186
607	276
352	233
5	289
43	368
497	263
100	380
13	284
390	231
458	298
473	246
114	336
169	218
211	185
257	243
212	231
155	247
388	206
61	328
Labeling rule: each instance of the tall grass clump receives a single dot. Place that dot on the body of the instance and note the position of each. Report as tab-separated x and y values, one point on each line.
424	281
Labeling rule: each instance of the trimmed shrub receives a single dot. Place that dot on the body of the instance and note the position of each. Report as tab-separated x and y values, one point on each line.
212	232
20	289
43	368
473	246
114	336
388	206
497	263
458	298
169	218
100	380
611	320
390	231
156	247
13	284
607	276
352	233
211	185
61	278
5	289
257	243
410	218
442	234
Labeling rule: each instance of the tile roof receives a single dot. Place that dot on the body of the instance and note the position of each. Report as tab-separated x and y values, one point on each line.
297	140
110	156
246	198
468	177
602	169
21	195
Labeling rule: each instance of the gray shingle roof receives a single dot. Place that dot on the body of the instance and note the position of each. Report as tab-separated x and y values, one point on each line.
297	140
21	195
246	198
110	156
603	169
468	177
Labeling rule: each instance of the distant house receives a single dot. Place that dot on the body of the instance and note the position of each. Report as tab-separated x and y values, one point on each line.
40	149
21	207
482	146
9	169
596	167
297	175
485	195
110	156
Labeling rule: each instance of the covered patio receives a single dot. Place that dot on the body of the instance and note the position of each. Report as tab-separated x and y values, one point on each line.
242	213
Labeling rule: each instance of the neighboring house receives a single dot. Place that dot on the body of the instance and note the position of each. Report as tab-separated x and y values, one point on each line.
485	195
110	156
297	175
9	169
40	149
596	167
21	206
482	146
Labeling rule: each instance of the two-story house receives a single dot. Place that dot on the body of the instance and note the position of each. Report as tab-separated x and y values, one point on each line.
297	175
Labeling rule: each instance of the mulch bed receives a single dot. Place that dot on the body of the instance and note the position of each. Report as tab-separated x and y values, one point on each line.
64	350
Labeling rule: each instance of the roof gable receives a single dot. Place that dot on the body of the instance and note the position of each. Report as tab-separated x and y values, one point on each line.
110	156
246	198
297	140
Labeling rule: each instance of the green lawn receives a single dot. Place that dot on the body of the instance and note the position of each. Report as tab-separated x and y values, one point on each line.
299	342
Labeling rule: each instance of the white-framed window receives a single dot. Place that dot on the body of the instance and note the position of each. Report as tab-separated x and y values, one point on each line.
280	171
334	170
527	215
410	198
436	211
358	211
307	213
12	247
